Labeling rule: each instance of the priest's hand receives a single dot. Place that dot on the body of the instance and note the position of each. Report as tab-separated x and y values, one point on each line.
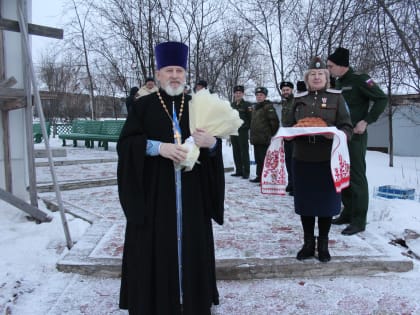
173	152
203	139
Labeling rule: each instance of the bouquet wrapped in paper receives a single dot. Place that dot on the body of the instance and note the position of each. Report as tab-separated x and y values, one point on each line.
216	116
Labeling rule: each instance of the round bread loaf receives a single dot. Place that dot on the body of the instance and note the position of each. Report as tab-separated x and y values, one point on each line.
311	122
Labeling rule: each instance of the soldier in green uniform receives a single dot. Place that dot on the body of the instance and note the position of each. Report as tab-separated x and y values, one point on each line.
240	144
366	101
264	125
286	108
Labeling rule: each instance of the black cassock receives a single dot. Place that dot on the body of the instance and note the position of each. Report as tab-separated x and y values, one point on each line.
146	186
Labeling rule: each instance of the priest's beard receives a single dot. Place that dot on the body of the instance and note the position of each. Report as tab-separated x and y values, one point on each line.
173	91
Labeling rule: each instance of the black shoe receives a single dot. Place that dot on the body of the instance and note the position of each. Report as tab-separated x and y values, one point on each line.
340	220
352	229
308	249
236	174
323	253
255	180
245	177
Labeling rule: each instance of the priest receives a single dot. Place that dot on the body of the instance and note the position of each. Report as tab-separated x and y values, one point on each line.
168	260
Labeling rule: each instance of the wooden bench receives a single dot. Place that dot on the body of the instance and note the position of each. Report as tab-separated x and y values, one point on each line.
37	132
91	131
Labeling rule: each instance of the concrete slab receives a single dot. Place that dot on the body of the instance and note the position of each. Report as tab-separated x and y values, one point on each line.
76	162
72	185
73	176
42	153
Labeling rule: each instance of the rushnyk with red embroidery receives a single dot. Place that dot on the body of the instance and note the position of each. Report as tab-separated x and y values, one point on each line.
274	176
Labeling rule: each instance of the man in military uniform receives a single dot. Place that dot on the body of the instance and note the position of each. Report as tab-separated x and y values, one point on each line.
201	84
360	93
240	144
286	109
264	125
300	86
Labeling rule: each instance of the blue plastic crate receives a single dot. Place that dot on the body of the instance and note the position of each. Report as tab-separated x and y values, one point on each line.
395	192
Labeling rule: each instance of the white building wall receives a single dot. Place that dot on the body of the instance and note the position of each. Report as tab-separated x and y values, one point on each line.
13	57
406	131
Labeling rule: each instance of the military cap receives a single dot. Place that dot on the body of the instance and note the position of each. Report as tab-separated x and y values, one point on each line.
340	57
261	89
134	90
239	88
301	86
286	84
203	83
317	63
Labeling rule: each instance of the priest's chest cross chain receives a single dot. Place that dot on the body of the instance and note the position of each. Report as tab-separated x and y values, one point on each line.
177	135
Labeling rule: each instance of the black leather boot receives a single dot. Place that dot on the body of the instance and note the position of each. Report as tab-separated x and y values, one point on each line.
308	249
323	253
340	220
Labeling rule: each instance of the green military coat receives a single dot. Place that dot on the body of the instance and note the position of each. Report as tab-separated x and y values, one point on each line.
245	112
264	123
286	110
359	90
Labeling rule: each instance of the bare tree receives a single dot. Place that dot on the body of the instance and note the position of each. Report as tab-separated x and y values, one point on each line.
62	78
137	27
258	14
199	25
260	40
113	61
234	60
388	50
110	84
319	29
80	32
405	18
272	21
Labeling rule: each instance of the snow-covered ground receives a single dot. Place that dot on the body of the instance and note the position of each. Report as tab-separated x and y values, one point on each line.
30	283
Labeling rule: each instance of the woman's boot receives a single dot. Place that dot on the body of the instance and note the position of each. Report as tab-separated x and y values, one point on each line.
308	249
323	253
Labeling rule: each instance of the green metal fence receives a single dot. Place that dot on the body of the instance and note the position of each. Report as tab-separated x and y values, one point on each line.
61	128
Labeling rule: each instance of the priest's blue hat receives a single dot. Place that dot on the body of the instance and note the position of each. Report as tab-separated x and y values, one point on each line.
171	54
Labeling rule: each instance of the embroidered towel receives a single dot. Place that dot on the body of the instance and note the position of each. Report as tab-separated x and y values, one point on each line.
274	176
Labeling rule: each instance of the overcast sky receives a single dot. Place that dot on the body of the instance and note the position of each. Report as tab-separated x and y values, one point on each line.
47	13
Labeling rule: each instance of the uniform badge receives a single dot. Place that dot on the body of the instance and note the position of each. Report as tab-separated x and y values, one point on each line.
370	82
324	102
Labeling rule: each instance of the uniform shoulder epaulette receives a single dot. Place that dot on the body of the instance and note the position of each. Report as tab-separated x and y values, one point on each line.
362	76
301	94
334	91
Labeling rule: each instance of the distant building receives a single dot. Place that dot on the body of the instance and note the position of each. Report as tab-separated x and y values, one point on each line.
76	105
406	127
